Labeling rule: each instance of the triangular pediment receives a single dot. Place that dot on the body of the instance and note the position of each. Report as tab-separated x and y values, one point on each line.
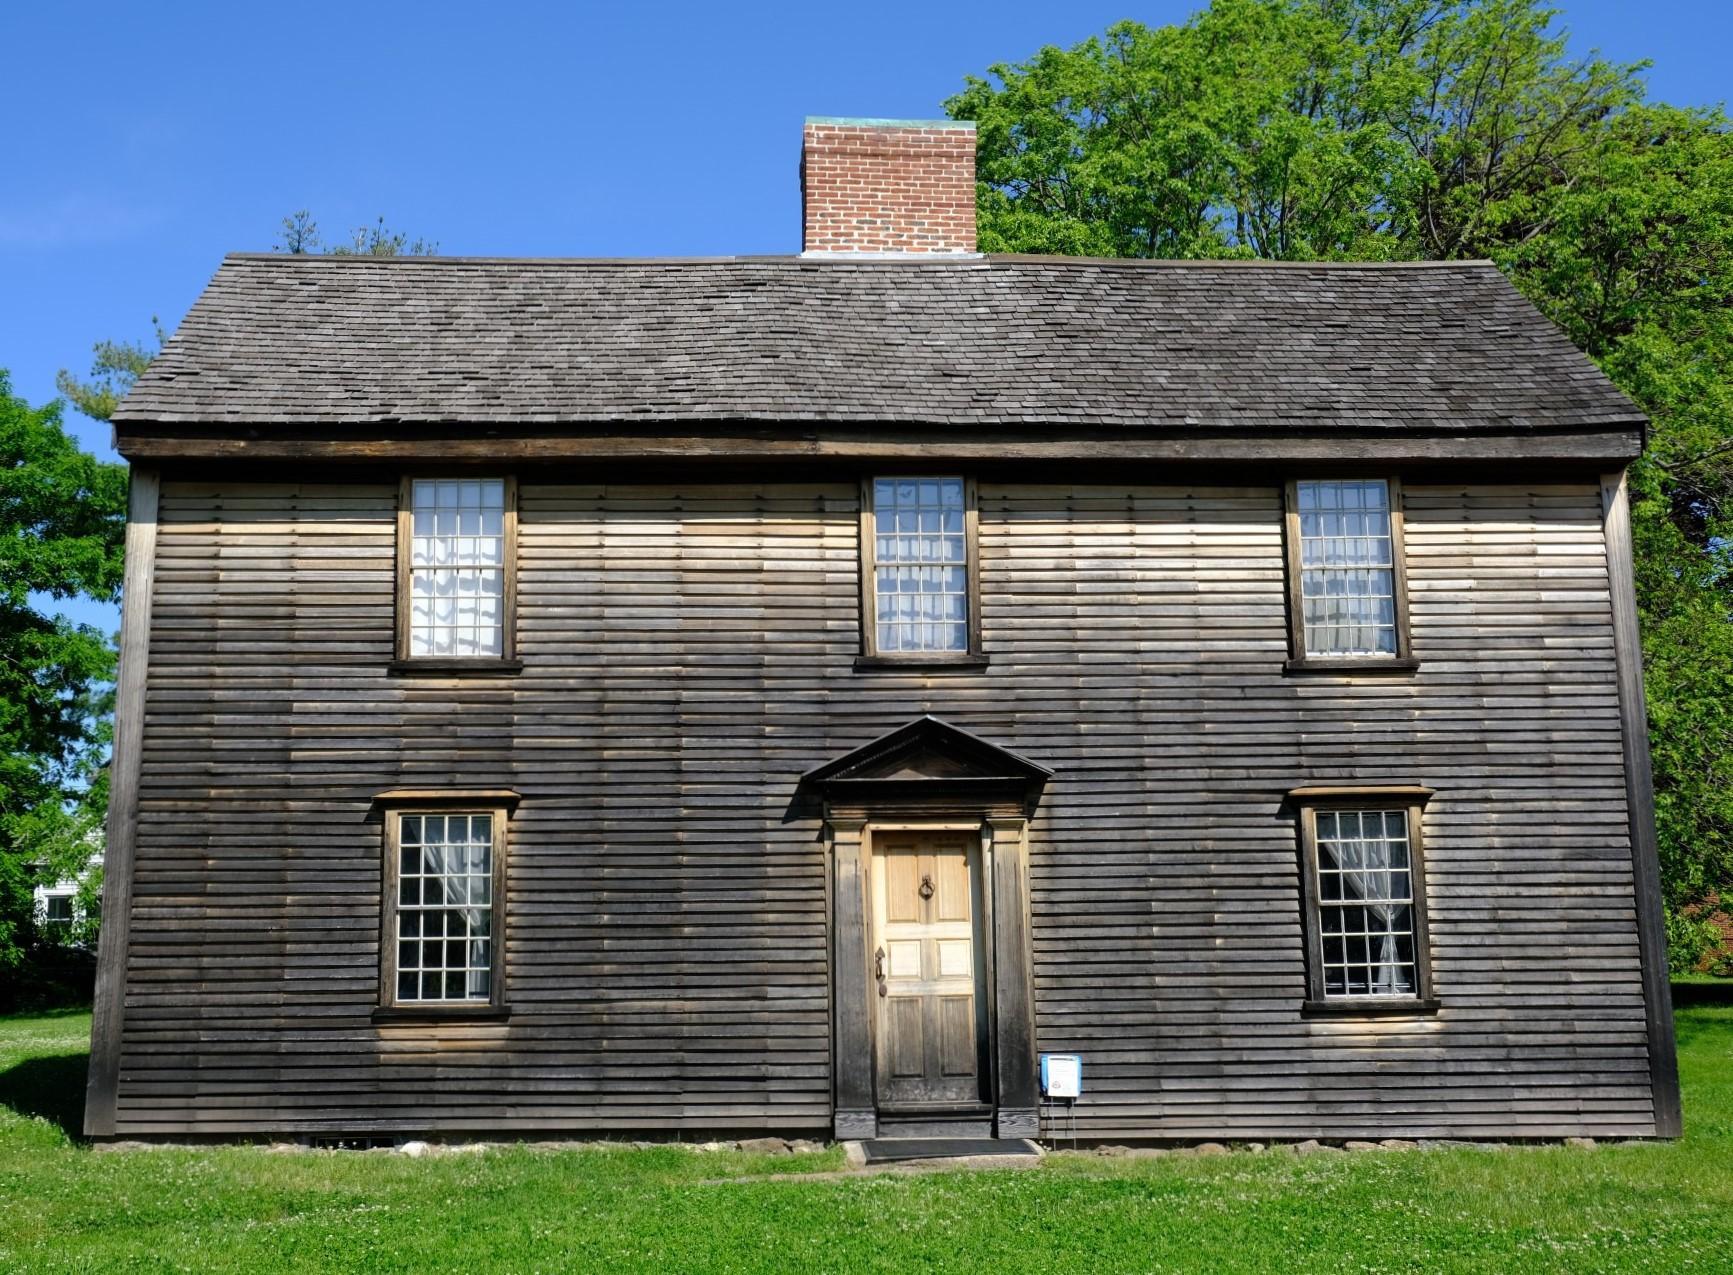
928	750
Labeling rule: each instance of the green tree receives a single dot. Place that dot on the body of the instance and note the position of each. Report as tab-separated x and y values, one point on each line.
62	523
300	234
116	365
114	368
1289	129
1439	129
1636	264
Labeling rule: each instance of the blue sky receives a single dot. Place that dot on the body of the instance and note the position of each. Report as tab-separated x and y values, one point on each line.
138	143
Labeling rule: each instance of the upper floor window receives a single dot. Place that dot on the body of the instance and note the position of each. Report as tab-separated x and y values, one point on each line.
1345	568
456	554
919	596
1365	894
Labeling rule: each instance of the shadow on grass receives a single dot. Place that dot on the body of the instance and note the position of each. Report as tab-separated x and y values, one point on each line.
51	1087
1719	992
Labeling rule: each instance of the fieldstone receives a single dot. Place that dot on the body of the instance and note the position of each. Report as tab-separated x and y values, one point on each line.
805	1146
1310	1146
1359	1146
1582	1144
1148	1153
1113	1149
1253	1147
1399	1144
1209	1148
764	1146
414	1150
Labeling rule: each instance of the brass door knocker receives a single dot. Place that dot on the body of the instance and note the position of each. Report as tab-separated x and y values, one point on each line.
926	887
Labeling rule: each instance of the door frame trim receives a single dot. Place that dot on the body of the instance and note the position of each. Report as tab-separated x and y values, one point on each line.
1004	885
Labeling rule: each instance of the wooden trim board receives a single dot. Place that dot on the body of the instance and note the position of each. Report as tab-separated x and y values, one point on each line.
109	1009
1640	800
488	443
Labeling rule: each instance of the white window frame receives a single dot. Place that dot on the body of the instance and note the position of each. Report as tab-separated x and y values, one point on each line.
390	937
405	653
1300	658
871	654
1410	802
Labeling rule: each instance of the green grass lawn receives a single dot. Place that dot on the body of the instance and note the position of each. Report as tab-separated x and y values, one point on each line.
1644	1207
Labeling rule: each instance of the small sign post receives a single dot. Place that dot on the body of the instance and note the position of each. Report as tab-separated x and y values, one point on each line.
1062	1081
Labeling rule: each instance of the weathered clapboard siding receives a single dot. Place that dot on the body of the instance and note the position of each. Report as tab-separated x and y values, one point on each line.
688	652
1168	945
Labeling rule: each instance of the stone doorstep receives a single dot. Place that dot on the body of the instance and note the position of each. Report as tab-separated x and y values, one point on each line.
855	1158
898	1150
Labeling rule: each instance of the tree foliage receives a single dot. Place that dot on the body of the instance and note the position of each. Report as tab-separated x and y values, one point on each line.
64	515
1439	129
300	234
114	367
62	522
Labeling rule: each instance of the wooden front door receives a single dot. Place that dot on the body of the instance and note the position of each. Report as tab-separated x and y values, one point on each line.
927	970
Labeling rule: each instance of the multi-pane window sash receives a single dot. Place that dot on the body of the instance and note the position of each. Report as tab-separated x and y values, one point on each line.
445	883
1365	900
457	563
920	565
1347	568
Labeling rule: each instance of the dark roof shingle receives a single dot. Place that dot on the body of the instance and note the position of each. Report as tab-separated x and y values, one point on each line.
1218	346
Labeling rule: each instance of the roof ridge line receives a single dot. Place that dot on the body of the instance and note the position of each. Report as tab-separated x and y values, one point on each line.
864	259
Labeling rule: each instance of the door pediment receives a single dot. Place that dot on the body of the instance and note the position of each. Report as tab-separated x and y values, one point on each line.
927	759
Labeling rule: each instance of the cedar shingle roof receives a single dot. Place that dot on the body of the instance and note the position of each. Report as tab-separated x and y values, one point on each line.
1206	346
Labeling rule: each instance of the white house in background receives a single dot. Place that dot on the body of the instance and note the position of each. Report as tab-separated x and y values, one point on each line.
58	904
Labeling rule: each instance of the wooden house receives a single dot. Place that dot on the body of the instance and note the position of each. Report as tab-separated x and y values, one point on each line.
796	695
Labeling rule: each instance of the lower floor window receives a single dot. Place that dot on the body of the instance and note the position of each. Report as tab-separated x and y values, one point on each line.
1366	903
1365	895
443	922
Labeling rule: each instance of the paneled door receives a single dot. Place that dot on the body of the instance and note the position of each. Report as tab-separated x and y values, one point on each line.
927	969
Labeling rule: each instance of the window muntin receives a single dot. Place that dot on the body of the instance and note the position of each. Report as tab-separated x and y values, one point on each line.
1365	902
920	566
457	568
1347	568
445	907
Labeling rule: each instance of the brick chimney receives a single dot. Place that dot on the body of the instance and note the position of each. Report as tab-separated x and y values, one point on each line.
888	186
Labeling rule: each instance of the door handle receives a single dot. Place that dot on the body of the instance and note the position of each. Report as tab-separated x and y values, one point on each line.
879	969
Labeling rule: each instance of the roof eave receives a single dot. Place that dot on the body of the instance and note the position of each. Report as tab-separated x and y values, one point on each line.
1615	441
